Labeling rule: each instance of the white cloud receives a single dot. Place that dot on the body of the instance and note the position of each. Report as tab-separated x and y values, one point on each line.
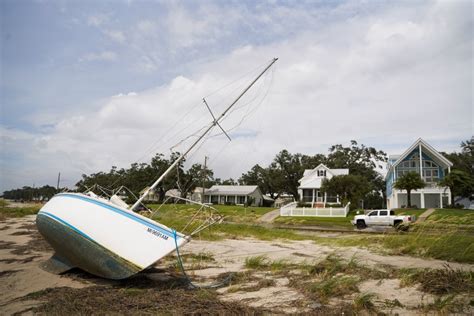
98	19
102	56
116	36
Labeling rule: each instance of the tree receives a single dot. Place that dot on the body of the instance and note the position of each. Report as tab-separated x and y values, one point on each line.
459	182
360	160
289	169
229	181
350	188
269	180
409	181
195	176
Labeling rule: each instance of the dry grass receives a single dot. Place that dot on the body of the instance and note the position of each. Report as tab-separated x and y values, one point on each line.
439	281
364	301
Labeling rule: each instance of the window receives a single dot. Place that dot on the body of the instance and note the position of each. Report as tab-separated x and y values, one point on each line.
429	164
392	213
307	195
241	199
431	175
321	173
373	213
383	213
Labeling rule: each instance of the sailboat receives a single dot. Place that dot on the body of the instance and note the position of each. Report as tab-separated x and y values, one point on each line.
105	237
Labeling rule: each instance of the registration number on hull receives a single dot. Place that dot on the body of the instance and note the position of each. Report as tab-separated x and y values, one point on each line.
157	233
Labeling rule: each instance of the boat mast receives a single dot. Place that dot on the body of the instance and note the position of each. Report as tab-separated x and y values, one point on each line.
214	123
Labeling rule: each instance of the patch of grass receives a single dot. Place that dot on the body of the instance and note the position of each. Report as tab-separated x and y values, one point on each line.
445	304
203	256
335	222
452	216
232	213
19	211
393	303
234	231
439	281
257	262
364	301
338	285
281	265
451	245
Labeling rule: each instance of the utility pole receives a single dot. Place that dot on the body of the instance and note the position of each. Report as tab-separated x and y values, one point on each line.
204	178
59	179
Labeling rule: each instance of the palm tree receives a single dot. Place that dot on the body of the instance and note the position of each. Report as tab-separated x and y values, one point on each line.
459	182
409	181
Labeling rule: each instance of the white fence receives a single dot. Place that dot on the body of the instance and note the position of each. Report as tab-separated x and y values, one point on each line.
292	210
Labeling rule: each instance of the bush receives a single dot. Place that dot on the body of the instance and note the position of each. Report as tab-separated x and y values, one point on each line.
455	206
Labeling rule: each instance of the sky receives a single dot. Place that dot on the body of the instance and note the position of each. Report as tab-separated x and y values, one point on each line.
86	85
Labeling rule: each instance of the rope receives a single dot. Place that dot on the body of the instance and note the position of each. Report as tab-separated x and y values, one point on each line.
192	285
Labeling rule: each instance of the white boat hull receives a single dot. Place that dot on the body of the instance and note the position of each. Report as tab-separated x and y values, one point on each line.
102	238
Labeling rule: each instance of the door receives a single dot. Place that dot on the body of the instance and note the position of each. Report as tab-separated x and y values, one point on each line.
384	219
372	218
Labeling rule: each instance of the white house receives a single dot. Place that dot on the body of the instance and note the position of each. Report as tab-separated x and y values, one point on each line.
430	164
310	185
231	194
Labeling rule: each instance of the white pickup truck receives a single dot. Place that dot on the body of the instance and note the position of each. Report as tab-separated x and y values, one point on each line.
380	218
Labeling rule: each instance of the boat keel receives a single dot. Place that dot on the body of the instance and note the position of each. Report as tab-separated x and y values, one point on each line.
56	265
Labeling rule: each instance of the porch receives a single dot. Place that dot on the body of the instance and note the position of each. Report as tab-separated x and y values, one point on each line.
316	198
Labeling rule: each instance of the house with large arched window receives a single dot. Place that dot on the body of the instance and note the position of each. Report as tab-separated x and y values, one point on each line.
431	165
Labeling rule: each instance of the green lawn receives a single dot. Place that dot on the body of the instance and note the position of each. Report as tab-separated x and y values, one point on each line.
317	221
21	211
452	217
451	245
232	213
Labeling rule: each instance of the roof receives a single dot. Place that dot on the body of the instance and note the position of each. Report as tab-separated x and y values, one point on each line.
232	189
311	183
266	197
173	192
428	147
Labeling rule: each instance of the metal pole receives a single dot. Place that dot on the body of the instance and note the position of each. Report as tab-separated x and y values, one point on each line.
214	123
204	179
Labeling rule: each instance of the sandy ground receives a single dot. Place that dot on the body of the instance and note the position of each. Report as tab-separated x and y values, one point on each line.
22	250
20	256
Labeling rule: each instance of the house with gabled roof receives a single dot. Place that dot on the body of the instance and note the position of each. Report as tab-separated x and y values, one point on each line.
431	165
232	194
310	185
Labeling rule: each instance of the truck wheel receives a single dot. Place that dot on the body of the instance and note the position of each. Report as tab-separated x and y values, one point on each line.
361	224
400	226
